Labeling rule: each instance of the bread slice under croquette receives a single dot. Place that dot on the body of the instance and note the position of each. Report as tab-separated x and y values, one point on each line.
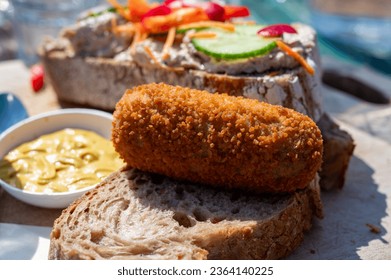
138	215
216	139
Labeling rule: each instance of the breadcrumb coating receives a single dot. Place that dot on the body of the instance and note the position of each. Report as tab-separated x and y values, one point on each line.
216	139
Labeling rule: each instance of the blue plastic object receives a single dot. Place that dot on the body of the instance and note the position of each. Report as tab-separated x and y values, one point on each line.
11	110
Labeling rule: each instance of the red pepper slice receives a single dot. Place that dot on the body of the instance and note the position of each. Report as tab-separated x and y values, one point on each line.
161	10
37	77
177	4
276	30
236	11
214	11
168	2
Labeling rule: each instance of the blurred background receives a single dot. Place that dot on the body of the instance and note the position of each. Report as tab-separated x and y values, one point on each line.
25	23
354	31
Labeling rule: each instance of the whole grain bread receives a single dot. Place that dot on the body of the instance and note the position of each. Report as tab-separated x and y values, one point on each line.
138	215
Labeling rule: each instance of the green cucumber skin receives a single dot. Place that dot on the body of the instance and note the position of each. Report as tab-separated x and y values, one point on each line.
184	30
108	10
244	33
228	56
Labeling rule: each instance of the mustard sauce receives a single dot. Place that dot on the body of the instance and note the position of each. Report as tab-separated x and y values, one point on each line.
66	160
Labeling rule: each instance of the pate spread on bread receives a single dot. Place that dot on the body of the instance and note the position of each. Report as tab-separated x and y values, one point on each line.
91	50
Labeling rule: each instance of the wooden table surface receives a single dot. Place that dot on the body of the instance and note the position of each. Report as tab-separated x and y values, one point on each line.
15	77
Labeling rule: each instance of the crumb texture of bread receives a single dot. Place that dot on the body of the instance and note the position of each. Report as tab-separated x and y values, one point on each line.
138	215
216	139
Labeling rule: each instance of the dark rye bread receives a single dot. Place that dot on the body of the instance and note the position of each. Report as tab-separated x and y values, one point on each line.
136	215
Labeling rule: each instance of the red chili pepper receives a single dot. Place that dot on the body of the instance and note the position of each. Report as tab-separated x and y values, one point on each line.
236	11
276	30
37	77
215	11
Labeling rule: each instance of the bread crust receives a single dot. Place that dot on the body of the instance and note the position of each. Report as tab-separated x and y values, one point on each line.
216	139
338	146
136	215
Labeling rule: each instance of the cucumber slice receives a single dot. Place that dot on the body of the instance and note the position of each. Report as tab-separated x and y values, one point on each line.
243	43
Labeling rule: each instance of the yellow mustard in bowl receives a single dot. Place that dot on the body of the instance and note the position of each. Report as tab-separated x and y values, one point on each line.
66	160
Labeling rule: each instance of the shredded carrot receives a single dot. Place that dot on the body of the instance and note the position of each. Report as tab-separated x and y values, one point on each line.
208	23
202	34
288	50
189	15
125	28
249	22
120	9
136	39
160	24
151	55
169	42
144	35
158	63
139	36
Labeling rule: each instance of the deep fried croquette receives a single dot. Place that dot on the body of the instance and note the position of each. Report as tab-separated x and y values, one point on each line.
216	139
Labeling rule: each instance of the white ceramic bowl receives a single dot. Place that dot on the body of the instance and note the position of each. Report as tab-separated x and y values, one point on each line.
33	127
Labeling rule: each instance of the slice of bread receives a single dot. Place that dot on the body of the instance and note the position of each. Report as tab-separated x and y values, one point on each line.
84	77
100	82
137	215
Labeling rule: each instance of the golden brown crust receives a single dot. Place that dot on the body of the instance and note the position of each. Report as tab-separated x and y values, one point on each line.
216	139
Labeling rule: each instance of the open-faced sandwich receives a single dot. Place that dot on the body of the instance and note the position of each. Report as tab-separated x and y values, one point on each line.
208	176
